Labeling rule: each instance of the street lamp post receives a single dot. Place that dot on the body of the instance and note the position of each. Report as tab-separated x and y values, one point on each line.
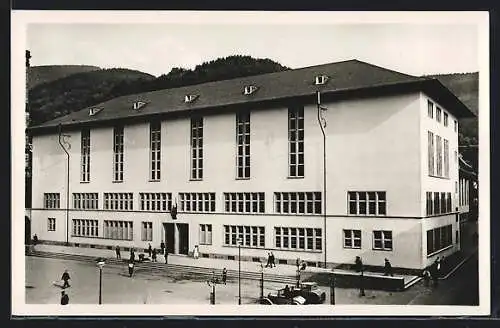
212	283
239	271
332	290
361	283
261	281
322	125
100	265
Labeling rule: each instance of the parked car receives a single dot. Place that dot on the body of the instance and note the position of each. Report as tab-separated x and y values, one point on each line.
307	293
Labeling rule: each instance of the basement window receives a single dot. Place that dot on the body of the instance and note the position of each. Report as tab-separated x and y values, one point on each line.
94	111
190	98
320	79
249	89
138	105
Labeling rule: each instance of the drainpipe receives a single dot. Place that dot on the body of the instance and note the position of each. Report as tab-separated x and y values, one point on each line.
321	121
67	185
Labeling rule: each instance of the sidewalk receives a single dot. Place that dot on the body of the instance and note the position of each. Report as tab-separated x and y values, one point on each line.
217	264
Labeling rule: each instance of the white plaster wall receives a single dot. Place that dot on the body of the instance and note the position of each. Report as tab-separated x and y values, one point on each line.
437	184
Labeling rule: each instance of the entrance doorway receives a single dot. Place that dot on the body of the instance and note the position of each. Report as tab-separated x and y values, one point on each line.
177	238
183	238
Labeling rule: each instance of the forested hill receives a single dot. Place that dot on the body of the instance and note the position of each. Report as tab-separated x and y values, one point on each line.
43	74
77	91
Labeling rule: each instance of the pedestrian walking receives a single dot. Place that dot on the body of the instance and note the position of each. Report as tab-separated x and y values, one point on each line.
150	250
435	274
154	255
268	264
224	275
162	247
65	277
273	264
131	268
118	254
166	256
388	268
35	240
132	255
427	277
196	252
358	264
64	298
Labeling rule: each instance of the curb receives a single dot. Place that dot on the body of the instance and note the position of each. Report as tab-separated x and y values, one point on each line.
459	265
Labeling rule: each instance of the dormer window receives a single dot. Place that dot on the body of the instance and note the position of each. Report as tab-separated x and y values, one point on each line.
94	111
249	89
190	98
321	79
138	105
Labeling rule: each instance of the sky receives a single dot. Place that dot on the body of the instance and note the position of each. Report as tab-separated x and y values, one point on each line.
415	49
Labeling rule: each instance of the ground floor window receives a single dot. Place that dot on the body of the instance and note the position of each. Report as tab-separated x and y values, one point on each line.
439	238
51	224
298	238
352	238
119	230
205	234
250	236
85	228
147	231
382	240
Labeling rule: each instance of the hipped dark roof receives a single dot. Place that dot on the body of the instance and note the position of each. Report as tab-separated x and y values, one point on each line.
346	79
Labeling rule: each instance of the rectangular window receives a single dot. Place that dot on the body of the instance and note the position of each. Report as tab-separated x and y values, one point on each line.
439	157
438	114
449	208
51	224
430	152
118	153
52	200
298	238
155	201
430	109
197	148
437	203
438	239
446	154
119	230
367	203
382	240
298	202
85	228
243	145
86	201
251	236
248	202
155	148
119	201
296	141
429	204
445	119
85	156
206	234
456	125
197	202
352	238
147	231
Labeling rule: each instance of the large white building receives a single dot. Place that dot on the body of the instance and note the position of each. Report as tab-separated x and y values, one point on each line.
243	158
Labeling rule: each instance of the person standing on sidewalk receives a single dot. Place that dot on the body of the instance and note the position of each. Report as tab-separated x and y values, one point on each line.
65	277
273	264
64	298
35	240
388	268
162	247
196	252
132	255
131	268
268	264
150	250
166	256
118	254
153	257
224	275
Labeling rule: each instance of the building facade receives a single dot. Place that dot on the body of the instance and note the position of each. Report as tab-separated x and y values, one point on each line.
248	171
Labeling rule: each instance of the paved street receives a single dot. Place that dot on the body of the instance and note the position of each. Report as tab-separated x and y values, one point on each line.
149	288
